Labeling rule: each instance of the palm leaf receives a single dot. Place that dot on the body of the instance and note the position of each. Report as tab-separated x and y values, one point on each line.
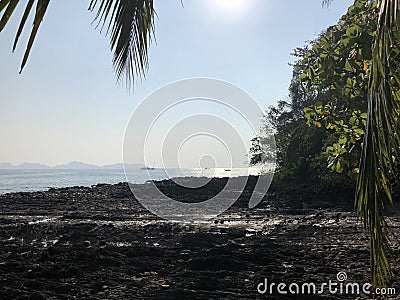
381	146
23	21
132	26
3	4
9	6
381	143
41	8
130	23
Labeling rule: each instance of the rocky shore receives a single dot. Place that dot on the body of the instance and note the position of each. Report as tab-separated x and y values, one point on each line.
100	243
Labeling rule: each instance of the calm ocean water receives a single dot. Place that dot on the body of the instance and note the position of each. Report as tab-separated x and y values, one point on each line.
16	180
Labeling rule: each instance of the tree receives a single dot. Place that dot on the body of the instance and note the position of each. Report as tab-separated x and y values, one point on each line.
337	65
298	147
130	24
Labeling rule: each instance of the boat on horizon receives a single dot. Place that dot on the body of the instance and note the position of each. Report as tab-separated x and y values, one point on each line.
147	168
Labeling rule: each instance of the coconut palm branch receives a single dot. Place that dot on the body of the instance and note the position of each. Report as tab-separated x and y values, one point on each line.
130	25
8	6
381	144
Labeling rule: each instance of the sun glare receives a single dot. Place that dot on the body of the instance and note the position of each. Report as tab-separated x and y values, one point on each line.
231	4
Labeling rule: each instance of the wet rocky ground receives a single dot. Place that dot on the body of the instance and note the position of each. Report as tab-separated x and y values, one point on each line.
100	243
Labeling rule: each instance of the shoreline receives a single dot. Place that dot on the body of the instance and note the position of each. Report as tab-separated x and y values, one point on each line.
36	180
100	243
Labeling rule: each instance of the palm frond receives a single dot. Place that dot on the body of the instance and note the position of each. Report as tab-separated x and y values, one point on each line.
3	4
130	23
8	6
23	21
381	143
132	27
41	7
11	5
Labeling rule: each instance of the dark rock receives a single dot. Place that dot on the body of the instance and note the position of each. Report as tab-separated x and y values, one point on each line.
37	296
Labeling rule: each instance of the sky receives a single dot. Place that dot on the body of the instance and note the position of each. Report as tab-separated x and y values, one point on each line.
66	106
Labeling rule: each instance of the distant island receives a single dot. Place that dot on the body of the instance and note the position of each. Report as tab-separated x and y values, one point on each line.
69	166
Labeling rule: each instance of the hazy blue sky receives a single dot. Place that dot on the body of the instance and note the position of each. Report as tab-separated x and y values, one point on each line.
66	105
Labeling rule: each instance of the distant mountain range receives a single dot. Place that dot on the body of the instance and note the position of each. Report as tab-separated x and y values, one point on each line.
69	166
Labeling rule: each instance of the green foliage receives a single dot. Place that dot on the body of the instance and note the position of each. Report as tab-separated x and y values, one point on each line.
337	65
329	89
298	146
343	153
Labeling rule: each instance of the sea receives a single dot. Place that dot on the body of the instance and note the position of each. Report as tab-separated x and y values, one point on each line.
24	180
